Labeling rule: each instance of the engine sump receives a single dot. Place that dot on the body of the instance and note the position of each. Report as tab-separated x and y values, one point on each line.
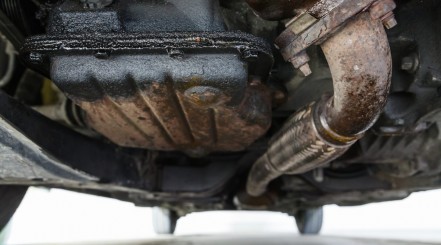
186	88
196	104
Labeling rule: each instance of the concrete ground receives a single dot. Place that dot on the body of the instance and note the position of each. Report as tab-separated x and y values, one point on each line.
264	240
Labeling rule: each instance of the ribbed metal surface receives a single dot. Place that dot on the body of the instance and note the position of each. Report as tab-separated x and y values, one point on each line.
14	11
160	103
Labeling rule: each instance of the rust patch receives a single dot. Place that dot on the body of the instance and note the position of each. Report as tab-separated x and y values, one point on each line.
197	120
360	62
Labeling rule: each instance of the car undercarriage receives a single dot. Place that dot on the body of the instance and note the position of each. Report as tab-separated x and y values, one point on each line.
195	105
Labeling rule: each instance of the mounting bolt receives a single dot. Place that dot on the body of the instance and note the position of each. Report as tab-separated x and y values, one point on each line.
300	61
383	10
406	63
250	55
175	53
102	54
35	58
410	63
389	21
305	69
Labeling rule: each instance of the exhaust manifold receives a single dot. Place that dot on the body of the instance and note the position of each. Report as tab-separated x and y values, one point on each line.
358	55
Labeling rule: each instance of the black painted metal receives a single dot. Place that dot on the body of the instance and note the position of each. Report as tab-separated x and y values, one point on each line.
38	50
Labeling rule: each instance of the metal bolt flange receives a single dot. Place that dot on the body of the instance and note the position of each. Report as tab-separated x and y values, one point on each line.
383	10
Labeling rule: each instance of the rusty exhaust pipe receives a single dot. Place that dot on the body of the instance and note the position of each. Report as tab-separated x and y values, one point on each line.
360	61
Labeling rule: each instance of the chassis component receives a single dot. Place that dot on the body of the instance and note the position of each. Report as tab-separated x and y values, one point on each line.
160	86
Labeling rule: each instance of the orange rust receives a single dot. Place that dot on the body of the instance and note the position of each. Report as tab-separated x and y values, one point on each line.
196	120
360	62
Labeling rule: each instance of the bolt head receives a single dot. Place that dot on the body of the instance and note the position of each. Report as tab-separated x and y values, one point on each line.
305	69
102	54
410	63
35	58
176	53
390	22
250	55
407	64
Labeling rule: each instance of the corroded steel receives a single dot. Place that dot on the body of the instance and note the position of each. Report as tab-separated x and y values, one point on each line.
196	120
195	103
360	62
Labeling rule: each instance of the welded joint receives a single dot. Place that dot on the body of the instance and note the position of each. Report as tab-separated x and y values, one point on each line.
324	131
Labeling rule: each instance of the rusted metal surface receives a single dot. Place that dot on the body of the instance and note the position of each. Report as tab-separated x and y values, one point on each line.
196	104
383	10
302	31
360	61
291	44
194	92
196	121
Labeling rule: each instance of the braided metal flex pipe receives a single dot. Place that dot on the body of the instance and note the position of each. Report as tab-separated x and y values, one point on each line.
359	57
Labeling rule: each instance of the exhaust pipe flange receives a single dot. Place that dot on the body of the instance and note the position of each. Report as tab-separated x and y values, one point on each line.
311	27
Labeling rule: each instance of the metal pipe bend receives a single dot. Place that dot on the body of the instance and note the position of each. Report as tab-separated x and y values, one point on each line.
360	61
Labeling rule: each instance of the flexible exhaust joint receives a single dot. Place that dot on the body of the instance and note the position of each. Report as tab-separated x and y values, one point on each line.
360	61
